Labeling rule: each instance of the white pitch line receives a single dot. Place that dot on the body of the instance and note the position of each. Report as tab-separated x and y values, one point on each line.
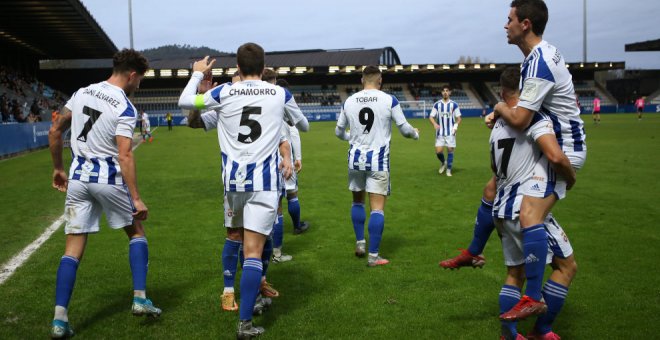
9	268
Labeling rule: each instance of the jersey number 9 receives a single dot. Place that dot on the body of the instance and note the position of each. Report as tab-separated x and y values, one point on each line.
366	116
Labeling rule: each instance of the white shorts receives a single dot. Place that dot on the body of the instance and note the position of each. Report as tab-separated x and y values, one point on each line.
512	240
228	212
85	202
376	182
545	182
255	211
146	128
448	141
291	184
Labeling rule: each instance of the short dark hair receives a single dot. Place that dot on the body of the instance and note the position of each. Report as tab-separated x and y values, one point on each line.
250	58
371	70
534	10
269	75
510	79
128	60
282	83
371	73
446	86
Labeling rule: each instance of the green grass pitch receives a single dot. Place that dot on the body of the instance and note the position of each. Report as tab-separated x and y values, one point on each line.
611	217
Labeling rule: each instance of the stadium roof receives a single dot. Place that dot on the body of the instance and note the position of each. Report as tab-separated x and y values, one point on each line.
311	58
54	29
644	46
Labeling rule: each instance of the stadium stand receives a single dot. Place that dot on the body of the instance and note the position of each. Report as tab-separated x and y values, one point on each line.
24	100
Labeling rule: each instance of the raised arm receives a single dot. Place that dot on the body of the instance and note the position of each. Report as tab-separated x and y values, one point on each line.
189	98
61	124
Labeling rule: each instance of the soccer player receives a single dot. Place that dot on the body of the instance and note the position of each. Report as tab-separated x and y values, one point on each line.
146	127
513	157
639	103
369	115
250	115
595	112
289	186
232	249
168	118
102	179
547	88
445	118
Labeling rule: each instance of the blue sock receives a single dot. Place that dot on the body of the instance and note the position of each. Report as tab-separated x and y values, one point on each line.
509	297
278	232
230	261
554	295
266	254
66	279
358	216
250	281
450	160
535	247
376	227
441	157
483	227
294	211
138	256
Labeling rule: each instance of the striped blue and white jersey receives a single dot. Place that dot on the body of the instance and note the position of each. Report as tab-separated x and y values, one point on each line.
100	113
369	115
445	114
547	87
249	118
513	156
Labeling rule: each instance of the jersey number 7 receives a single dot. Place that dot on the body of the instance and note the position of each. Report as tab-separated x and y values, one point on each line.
93	117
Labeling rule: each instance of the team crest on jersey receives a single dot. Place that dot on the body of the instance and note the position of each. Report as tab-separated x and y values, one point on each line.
240	179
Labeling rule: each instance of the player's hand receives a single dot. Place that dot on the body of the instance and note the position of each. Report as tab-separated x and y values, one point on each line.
286	169
436	126
297	165
499	107
570	182
60	180
453	130
141	210
490	120
203	65
206	83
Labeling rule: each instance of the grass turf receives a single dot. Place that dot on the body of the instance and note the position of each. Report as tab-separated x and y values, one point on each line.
327	293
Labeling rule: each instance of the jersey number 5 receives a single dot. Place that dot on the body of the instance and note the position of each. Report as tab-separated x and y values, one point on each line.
93	117
253	125
366	116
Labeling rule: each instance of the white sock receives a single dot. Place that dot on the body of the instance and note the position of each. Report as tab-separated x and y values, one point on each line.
61	314
277	252
140	293
373	254
361	242
228	290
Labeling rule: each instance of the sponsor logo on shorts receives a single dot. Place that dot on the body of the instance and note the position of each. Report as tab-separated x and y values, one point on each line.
535	187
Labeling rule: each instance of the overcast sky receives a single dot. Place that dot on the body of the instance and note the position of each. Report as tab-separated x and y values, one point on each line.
421	31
